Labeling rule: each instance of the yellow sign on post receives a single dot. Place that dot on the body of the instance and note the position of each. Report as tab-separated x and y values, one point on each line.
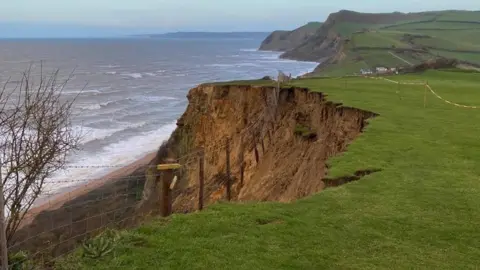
167	181
171	166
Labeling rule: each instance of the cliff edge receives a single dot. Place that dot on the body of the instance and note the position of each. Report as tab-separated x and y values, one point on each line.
287	40
279	142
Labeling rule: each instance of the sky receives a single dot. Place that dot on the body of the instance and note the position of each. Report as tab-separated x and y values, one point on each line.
92	18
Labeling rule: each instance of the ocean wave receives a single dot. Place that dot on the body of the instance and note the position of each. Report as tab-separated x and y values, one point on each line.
91	91
133	75
109	66
233	65
150	74
246	65
111	72
220	65
116	154
153	98
89	134
89	107
97	106
271	57
249	50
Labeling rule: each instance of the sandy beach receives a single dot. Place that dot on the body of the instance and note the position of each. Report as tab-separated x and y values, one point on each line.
71	193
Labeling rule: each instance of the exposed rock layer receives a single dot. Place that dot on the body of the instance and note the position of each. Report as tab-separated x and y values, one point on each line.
280	164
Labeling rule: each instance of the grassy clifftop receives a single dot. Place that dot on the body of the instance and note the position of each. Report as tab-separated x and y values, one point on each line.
420	211
349	41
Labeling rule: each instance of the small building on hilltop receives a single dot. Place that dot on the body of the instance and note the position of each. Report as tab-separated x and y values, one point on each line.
366	71
381	70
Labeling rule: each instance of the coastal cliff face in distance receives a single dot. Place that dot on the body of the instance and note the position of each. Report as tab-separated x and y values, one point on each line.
330	38
282	138
286	40
351	40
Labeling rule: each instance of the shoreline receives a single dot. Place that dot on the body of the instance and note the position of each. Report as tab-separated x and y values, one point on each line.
68	194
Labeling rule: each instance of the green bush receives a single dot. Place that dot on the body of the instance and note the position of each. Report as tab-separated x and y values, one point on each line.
19	261
305	132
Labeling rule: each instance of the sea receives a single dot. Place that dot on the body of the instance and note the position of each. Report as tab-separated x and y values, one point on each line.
130	91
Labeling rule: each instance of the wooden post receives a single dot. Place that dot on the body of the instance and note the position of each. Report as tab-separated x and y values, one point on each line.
201	178
164	183
3	236
229	180
425	97
166	209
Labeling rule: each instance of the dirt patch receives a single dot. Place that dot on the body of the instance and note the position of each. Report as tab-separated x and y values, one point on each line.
265	221
335	182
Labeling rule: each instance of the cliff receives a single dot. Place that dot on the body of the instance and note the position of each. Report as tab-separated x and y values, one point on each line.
330	38
349	41
282	138
287	40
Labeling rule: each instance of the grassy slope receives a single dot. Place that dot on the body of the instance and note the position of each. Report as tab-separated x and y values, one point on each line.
421	211
454	34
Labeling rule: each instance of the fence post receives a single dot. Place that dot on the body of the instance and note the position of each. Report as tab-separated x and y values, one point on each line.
166	209
425	96
229	192
166	177
201	178
3	236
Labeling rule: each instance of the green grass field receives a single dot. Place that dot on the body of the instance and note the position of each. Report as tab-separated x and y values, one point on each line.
435	25
421	211
460	16
451	34
380	39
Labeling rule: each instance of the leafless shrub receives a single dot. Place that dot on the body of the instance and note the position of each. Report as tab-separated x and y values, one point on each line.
36	136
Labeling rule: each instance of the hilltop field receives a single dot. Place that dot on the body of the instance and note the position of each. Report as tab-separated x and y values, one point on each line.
419	209
349	41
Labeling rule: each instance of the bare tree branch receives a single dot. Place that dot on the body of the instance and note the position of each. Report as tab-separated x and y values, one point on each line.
36	136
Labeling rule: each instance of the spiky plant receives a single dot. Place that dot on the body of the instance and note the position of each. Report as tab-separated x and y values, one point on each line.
101	245
97	247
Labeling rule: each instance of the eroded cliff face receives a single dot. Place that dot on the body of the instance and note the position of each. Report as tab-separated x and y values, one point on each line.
282	137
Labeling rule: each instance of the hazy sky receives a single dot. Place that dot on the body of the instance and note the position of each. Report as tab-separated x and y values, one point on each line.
117	17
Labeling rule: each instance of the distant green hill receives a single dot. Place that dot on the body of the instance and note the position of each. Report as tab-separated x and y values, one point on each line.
349	41
287	40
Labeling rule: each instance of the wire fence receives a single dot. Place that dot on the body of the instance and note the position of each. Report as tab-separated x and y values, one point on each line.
63	218
61	221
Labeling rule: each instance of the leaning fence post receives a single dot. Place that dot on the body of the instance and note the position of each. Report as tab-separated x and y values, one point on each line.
229	181
425	96
201	178
3	236
165	186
